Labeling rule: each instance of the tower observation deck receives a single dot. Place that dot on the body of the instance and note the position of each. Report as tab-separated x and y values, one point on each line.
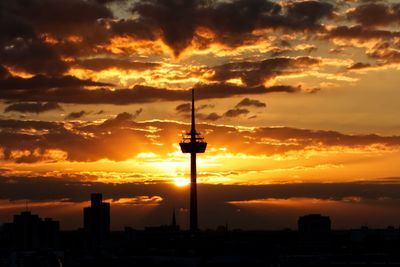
193	143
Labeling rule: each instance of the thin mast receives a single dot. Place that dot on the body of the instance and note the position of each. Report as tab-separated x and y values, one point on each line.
193	130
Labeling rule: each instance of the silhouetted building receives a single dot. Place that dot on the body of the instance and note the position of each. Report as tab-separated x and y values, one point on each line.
314	223
50	233
96	222
193	143
29	232
314	229
173	223
26	230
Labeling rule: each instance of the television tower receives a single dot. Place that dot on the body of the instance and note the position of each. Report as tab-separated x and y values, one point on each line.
193	143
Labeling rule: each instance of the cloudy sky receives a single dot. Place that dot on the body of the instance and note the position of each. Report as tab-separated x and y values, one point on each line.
298	101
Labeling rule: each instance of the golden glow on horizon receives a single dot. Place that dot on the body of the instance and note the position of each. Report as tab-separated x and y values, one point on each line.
338	164
292	202
139	200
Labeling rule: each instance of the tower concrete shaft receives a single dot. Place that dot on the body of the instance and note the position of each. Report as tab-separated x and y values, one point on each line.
193	173
193	193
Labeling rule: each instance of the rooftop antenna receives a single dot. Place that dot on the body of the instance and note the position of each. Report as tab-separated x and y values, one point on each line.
193	143
173	218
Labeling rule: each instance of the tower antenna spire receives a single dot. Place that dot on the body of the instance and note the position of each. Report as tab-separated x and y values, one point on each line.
173	224
193	114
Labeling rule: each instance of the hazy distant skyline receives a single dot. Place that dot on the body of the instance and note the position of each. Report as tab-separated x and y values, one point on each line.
95	94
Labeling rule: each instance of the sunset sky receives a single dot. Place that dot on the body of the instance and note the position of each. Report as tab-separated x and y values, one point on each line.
298	101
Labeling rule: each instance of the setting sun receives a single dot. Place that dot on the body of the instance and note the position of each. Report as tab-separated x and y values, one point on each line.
181	182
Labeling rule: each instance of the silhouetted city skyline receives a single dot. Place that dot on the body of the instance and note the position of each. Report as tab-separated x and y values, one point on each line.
296	95
32	241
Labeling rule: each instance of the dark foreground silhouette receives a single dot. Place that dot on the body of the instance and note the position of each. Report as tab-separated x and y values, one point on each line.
32	241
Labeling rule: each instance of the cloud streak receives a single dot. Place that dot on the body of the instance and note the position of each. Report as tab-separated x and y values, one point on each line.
32	107
67	90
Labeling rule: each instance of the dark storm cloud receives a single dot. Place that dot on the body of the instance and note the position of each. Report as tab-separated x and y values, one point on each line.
211	117
37	33
137	113
13	27
176	20
20	188
233	22
4	73
137	29
385	41
32	56
122	119
375	14
223	90
26	26
360	32
173	21
310	12
184	108
256	73
119	120
13	84
67	90
76	115
205	106
232	113
385	53
36	36
22	49
58	17
247	102
359	65
33	107
98	64
109	1
15	125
